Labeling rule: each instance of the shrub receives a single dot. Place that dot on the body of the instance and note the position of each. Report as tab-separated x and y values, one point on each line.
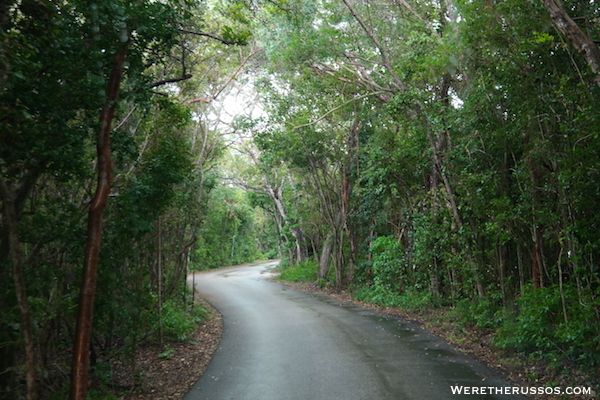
540	327
179	323
410	300
486	313
304	272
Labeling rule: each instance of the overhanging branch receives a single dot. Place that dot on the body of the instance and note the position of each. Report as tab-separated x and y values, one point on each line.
231	78
322	117
171	80
215	37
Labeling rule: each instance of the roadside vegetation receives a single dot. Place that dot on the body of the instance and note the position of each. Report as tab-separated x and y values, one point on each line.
304	272
105	150
475	329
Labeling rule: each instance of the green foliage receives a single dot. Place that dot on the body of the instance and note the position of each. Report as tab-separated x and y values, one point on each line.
167	353
229	234
479	162
55	59
410	299
541	328
303	272
153	189
178	320
486	313
389	264
503	102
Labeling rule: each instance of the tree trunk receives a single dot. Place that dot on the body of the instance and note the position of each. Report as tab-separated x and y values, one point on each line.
352	143
159	286
87	294
299	252
12	221
439	148
582	43
325	256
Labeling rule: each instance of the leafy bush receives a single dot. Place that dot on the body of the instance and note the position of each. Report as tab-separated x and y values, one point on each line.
304	272
388	262
540	327
179	323
391	284
486	313
410	300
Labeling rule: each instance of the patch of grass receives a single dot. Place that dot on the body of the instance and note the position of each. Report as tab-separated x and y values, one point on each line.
304	272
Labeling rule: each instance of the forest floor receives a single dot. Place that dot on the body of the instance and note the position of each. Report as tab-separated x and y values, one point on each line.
168	374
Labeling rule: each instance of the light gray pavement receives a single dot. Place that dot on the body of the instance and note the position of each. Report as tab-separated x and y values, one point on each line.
282	344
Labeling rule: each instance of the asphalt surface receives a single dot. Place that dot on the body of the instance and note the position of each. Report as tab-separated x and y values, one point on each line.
282	344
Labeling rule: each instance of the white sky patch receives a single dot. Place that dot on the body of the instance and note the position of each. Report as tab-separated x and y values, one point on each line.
239	99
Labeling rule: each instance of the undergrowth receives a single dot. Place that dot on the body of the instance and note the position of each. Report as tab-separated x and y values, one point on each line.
303	272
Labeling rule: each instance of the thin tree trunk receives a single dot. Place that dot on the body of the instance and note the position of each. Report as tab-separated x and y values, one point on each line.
87	294
576	37
338	259
325	256
535	268
8	198
159	286
439	165
560	285
520	268
352	142
440	147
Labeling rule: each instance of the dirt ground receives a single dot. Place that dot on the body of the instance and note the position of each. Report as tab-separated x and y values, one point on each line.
168	374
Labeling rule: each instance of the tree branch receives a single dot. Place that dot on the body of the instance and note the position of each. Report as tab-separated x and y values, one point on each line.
231	78
294	127
382	51
28	182
578	39
215	37
415	13
12	224
171	80
279	6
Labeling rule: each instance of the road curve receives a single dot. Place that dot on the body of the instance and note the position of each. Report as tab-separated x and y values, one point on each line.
282	344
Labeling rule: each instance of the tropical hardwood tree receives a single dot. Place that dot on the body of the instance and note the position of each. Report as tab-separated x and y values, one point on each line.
62	65
467	147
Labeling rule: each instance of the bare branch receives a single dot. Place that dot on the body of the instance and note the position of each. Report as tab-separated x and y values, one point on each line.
171	80
322	117
397	82
231	78
215	37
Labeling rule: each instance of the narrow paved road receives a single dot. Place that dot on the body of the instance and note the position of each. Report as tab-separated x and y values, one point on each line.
282	344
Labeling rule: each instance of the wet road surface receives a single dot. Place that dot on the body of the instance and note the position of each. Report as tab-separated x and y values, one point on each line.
282	344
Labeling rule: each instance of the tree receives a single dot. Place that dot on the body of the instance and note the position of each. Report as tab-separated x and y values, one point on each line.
131	28
463	115
72	54
575	35
80	365
269	177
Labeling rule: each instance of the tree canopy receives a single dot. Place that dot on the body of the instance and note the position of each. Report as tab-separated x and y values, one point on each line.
421	154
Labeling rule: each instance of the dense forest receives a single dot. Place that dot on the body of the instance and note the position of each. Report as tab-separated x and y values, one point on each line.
421	154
